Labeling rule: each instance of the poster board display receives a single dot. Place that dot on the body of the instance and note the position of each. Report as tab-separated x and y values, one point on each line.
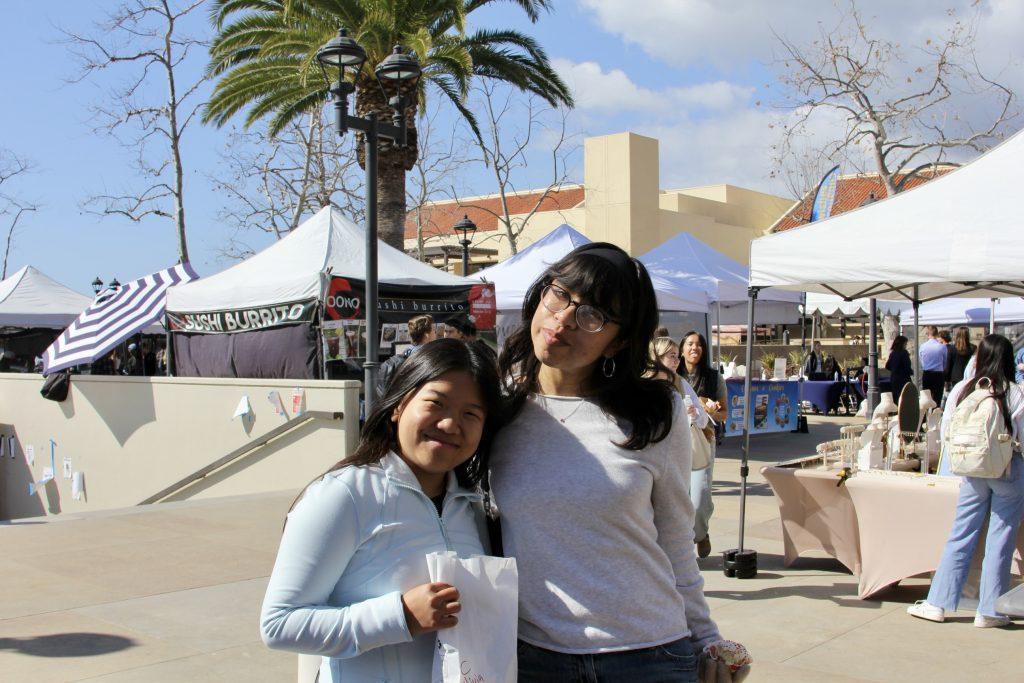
776	406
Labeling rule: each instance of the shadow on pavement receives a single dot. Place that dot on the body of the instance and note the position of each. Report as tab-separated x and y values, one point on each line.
67	644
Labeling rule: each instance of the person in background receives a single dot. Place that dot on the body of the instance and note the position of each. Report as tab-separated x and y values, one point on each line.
461	327
946	337
933	364
1018	360
814	363
661	332
148	358
710	387
351	582
1000	502
898	365
421	331
958	355
133	366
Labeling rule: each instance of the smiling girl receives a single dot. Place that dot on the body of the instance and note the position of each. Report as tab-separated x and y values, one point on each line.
351	581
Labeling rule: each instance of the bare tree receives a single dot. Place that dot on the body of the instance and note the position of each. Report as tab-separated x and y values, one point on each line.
899	115
12	207
504	147
270	184
146	38
442	155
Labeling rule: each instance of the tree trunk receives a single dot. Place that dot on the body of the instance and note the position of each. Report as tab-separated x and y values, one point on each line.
392	163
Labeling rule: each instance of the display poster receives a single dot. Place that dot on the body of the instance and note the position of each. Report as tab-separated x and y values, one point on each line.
398	303
776	407
344	339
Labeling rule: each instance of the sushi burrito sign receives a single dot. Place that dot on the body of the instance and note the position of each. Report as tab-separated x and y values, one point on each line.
398	303
243	319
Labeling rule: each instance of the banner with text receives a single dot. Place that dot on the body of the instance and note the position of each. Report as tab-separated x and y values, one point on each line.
775	406
398	303
243	319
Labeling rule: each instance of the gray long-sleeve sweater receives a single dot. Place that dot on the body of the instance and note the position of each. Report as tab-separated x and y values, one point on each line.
603	536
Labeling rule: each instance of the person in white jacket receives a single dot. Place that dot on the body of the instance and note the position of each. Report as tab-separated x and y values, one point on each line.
351	581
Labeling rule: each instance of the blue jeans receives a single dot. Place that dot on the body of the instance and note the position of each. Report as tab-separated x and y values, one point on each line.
1001	502
674	662
700	494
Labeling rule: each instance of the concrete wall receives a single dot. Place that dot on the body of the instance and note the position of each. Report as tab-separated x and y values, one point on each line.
133	436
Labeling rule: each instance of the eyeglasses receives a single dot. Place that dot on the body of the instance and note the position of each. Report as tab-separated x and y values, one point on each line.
588	318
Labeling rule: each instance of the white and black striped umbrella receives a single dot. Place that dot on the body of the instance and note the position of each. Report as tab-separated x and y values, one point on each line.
114	316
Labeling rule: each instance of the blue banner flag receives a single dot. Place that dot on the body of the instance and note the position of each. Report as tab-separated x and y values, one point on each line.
825	196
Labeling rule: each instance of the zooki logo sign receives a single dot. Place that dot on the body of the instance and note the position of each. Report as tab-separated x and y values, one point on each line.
342	302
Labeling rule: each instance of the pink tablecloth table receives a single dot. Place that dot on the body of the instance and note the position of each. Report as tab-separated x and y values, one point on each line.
883	526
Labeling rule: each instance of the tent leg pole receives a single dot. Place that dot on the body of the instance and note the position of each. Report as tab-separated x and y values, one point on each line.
917	343
872	355
803	325
742	563
718	336
372	340
168	353
992	317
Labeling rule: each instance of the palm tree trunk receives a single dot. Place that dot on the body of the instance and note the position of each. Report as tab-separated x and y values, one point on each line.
391	198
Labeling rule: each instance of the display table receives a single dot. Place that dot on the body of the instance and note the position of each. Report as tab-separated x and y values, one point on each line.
823	395
883	526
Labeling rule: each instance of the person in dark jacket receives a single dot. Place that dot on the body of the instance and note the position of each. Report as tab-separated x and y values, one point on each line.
814	363
899	366
958	355
421	331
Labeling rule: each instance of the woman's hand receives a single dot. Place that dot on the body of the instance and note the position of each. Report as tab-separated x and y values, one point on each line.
712	406
431	607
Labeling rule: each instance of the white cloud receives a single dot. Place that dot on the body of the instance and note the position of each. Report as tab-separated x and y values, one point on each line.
598	90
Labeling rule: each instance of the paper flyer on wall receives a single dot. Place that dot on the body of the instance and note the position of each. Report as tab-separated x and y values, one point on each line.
244	408
274	397
77	485
344	339
66	470
30	454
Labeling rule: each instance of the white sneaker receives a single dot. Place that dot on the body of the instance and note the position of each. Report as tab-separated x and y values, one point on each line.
922	610
983	621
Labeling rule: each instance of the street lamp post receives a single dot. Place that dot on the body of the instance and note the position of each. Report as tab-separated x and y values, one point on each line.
467	229
97	285
399	70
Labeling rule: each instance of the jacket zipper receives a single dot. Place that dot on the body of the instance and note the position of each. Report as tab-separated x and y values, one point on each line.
433	508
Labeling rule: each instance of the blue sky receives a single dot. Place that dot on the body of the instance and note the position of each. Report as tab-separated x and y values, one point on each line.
688	72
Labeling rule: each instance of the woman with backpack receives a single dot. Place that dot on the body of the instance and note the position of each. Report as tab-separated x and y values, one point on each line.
997	498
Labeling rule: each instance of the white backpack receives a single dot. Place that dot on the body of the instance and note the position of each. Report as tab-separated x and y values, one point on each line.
977	442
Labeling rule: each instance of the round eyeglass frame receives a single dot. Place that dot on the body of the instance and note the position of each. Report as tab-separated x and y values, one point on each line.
605	318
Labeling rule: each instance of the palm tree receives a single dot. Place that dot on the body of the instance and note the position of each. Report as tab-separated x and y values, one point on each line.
264	57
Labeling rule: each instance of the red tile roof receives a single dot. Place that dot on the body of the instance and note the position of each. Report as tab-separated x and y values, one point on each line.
851	192
439	217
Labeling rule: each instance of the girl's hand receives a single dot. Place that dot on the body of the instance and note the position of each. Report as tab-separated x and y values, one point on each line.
430	607
712	406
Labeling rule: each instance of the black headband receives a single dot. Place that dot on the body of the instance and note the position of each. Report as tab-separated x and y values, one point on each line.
620	259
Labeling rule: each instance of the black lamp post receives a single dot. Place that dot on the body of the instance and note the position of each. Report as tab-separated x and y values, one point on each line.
97	285
467	229
399	71
114	284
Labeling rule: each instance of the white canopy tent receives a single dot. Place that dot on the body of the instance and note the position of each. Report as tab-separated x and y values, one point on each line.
832	306
292	269
31	299
974	311
955	236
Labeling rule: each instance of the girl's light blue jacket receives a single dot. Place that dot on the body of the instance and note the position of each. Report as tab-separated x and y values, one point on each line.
354	543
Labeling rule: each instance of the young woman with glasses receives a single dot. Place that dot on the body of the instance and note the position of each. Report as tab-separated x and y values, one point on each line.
590	478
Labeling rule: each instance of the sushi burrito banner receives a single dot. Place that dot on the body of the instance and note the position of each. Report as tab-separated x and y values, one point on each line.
243	319
398	303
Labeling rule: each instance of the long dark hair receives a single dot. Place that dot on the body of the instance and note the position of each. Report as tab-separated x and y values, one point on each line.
964	347
707	377
426	364
899	343
625	291
995	363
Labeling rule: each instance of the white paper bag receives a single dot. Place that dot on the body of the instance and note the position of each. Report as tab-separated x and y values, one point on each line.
481	648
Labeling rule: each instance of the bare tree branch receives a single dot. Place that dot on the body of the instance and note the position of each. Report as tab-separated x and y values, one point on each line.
143	39
893	114
271	184
12	207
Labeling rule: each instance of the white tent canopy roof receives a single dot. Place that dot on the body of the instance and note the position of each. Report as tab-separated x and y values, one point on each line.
31	299
957	235
963	311
290	269
831	305
687	259
513	276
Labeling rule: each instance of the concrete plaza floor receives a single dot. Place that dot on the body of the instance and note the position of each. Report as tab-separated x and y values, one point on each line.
172	593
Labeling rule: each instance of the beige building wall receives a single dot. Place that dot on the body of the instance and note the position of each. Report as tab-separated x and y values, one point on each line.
134	436
625	206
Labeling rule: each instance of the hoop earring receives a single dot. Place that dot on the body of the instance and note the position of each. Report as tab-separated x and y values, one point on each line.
605	370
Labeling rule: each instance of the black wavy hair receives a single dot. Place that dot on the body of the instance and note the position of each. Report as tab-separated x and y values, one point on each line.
627	295
995	363
706	385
